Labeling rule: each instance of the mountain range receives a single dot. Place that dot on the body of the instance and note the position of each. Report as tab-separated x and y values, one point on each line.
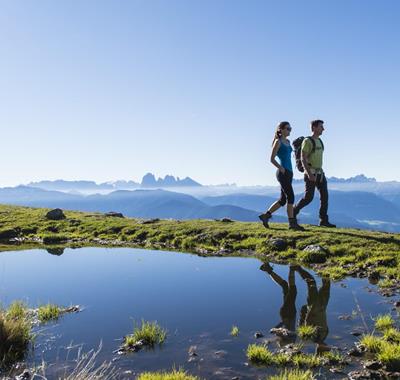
347	209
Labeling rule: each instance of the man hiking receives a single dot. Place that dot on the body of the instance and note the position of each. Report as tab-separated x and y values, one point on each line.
312	150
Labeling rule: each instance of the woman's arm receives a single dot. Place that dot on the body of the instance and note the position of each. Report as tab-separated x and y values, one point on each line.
275	148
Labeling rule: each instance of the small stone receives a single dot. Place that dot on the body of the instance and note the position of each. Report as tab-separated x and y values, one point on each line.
25	375
220	353
114	214
192	351
356	333
282	332
356	352
278	244
56	214
149	221
372	364
258	335
397	304
314	249
226	220
364	375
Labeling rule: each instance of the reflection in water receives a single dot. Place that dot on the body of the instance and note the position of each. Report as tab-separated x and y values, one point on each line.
288	309
55	251
313	313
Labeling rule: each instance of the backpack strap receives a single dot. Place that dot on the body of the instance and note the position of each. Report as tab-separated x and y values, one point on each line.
313	143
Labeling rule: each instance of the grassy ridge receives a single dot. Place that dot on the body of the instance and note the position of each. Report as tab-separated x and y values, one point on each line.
347	251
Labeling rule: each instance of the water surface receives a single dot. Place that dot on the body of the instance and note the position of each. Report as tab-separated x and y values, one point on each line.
196	299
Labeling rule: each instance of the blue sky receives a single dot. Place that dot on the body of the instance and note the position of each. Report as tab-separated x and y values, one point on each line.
108	90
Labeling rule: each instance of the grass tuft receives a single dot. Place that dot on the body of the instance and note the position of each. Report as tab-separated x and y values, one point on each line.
384	322
17	310
49	312
307	331
260	354
389	356
150	332
293	375
173	375
309	361
235	331
392	335
15	334
371	342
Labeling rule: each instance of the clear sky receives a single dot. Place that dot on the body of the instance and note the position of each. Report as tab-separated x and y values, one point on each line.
107	90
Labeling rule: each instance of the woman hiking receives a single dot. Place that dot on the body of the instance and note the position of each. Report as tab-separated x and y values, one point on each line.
281	147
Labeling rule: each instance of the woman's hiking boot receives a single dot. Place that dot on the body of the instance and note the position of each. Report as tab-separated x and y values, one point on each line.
293	225
324	222
264	218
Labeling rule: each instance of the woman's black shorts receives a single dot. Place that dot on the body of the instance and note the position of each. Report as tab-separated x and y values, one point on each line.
285	180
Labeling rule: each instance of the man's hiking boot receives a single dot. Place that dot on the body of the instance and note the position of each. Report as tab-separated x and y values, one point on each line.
264	218
325	223
293	225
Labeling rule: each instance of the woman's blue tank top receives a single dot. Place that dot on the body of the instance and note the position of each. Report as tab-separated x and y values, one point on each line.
284	155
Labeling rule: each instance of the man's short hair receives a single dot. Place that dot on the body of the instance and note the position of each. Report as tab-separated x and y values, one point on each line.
315	123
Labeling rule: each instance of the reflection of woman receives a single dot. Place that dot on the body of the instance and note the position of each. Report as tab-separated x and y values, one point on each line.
314	313
281	147
288	309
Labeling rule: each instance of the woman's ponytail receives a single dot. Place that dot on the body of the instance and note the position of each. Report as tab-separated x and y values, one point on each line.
278	131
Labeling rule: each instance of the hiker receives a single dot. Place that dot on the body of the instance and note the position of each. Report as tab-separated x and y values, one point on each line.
314	312
312	149
288	310
281	147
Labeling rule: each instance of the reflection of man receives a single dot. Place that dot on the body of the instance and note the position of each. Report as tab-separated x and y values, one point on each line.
288	309
314	313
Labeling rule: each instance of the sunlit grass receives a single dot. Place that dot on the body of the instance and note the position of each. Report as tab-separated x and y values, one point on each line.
371	342
49	312
148	332
15	334
260	354
173	375
384	322
235	331
307	331
392	335
389	355
295	374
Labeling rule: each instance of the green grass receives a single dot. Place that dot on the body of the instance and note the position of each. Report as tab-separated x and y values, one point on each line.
384	322
346	247
386	283
333	357
17	310
15	334
389	356
308	361
260	354
392	335
235	331
372	343
49	312
307	331
173	375
150	332
295	374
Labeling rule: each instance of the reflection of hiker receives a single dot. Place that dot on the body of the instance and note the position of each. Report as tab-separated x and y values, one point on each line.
288	309
281	147
314	313
312	149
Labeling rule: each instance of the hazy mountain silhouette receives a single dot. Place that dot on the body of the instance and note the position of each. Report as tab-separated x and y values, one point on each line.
347	209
